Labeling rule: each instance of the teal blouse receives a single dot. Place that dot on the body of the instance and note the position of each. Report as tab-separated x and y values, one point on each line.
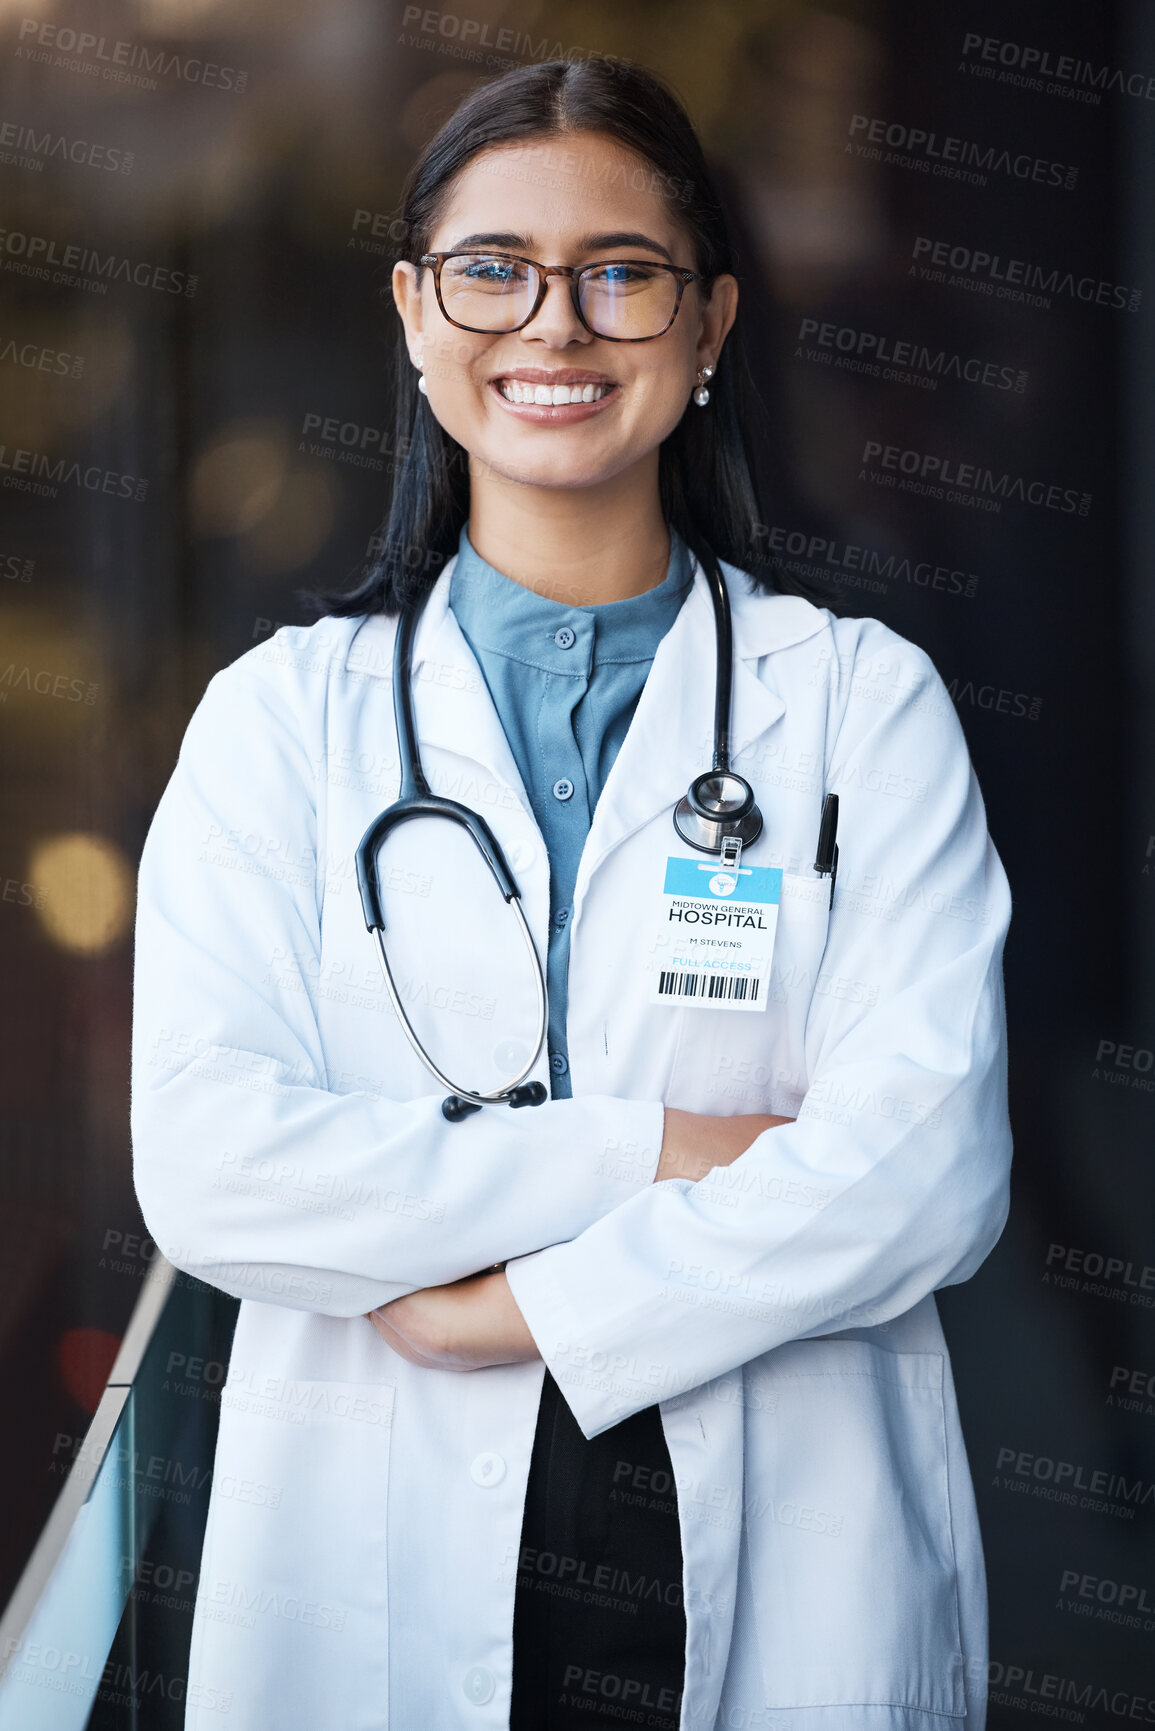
565	682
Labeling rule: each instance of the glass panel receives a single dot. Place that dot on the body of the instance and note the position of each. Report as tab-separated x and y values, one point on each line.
56	1669
105	1643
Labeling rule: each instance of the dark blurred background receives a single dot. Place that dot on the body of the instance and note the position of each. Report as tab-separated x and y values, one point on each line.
196	199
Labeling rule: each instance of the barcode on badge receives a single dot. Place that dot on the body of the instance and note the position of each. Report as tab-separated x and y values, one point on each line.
675	985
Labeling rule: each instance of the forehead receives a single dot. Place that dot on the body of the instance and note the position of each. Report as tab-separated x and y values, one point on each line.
559	188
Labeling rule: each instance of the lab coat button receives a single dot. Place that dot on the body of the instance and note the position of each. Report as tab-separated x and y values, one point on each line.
521	855
563	789
565	638
479	1685
487	1470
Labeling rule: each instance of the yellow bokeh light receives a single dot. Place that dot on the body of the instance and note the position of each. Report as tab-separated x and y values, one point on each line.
87	885
238	476
298	524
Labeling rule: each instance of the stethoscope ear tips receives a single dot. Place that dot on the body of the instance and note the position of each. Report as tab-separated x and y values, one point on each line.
455	1107
458	1106
529	1094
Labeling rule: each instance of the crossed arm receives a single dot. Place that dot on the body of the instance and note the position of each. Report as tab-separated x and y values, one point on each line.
472	1323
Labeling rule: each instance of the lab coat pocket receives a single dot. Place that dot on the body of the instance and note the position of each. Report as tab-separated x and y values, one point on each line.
754	1061
291	1618
849	1530
803	922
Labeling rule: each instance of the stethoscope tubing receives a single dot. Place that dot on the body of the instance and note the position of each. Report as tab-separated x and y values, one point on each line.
495	1095
416	799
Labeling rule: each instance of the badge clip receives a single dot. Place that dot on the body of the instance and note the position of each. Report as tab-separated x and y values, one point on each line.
731	852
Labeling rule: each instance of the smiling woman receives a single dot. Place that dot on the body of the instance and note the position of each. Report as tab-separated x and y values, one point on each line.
529	322
623	1409
562	230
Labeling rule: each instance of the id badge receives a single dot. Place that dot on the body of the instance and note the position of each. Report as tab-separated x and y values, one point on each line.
715	936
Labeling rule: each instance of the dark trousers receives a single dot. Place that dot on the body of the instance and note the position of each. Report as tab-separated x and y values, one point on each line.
599	1630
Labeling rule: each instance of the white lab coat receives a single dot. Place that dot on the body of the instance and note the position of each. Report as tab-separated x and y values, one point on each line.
362	1545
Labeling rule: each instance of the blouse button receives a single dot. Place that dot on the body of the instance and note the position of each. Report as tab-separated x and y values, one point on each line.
564	637
563	789
478	1685
487	1470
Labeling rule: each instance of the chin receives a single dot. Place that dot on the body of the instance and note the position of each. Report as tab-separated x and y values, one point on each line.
555	472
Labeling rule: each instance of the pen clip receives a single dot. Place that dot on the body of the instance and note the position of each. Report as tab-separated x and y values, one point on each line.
826	855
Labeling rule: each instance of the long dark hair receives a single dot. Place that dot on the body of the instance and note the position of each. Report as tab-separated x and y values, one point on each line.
705	471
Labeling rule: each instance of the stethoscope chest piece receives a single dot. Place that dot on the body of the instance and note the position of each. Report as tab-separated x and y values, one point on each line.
718	804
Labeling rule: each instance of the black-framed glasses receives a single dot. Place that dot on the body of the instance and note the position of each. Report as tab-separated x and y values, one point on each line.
624	300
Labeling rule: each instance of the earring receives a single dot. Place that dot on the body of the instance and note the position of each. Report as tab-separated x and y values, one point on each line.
702	395
419	361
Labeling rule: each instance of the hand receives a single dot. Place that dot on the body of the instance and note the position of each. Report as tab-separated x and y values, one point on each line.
467	1325
695	1142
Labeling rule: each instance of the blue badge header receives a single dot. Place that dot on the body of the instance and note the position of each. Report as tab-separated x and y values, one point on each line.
709	880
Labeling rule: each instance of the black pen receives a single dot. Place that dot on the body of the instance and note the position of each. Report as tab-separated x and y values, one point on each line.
826	858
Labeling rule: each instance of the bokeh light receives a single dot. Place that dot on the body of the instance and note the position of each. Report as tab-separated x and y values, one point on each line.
87	885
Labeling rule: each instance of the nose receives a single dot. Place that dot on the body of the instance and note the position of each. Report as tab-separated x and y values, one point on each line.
556	322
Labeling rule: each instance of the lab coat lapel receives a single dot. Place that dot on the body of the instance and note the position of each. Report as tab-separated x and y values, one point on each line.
451	703
671	737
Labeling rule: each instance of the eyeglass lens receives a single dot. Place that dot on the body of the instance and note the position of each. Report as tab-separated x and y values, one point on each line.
489	292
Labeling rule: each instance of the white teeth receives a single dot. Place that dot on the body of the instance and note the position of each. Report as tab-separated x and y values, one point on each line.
516	391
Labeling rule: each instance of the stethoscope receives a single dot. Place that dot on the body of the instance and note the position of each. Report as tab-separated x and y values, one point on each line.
717	815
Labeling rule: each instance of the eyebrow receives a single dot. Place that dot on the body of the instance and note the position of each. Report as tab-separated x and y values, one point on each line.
587	243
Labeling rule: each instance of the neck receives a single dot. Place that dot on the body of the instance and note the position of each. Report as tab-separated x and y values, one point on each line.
583	545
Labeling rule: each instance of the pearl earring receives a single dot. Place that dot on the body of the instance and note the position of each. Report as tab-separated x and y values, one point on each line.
419	361
702	395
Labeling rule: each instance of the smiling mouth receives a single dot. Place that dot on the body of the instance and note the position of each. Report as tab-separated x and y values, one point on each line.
519	391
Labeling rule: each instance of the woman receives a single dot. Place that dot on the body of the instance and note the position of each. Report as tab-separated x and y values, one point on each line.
632	1407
